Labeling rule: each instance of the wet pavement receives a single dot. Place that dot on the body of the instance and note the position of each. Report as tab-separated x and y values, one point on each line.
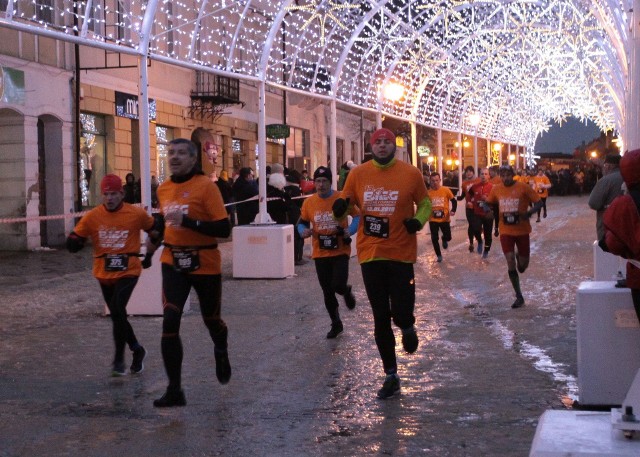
477	385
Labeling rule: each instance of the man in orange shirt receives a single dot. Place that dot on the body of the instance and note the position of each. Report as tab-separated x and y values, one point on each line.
542	186
331	242
114	228
512	200
386	190
194	214
440	219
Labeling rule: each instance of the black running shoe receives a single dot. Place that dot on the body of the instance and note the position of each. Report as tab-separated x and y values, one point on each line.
136	364
445	244
336	329
470	247
410	340
496	233
519	302
171	398
349	299
118	369
390	387
223	367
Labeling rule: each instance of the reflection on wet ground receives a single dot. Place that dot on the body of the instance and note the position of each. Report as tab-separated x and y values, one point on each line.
481	378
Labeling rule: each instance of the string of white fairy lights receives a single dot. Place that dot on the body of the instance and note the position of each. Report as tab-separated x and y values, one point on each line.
518	64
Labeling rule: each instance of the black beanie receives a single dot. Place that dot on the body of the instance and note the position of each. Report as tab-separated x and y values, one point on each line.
322	172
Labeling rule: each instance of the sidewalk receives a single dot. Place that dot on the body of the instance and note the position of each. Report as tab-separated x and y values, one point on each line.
473	387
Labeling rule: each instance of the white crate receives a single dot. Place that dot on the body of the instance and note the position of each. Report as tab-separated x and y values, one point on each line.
580	434
146	299
608	342
263	251
606	266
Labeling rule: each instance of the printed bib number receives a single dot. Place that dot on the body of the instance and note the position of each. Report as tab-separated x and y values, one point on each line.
328	241
510	218
438	213
116	262
376	226
186	260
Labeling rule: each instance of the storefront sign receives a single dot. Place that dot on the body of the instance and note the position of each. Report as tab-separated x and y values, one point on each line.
11	85
127	106
277	131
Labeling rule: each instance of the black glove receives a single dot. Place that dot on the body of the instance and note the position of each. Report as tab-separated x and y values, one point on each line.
74	242
603	245
346	238
412	225
340	207
146	262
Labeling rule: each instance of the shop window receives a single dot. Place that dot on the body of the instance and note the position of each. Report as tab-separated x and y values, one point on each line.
163	136
92	158
44	11
298	149
238	153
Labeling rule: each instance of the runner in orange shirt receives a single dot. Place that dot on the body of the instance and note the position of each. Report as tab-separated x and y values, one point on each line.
440	219
331	243
542	186
386	190
511	200
114	228
194	213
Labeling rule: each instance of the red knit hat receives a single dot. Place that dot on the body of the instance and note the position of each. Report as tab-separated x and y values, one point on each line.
385	134
111	183
630	168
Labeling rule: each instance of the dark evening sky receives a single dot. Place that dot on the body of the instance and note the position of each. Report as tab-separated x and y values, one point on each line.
566	138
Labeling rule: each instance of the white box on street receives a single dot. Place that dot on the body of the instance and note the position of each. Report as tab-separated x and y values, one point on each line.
263	251
580	434
608	338
606	266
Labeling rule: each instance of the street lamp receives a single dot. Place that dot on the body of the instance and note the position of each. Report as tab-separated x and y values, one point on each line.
393	91
497	153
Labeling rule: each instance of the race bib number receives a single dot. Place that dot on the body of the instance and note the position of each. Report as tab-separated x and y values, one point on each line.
376	226
438	214
510	218
116	262
328	241
186	261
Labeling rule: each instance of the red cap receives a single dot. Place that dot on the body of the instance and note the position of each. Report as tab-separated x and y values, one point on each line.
111	183
630	167
384	134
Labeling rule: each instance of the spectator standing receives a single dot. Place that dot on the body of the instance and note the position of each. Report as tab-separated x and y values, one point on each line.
606	190
243	188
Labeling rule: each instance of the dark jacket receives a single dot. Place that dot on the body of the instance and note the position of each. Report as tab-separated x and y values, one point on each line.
242	190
